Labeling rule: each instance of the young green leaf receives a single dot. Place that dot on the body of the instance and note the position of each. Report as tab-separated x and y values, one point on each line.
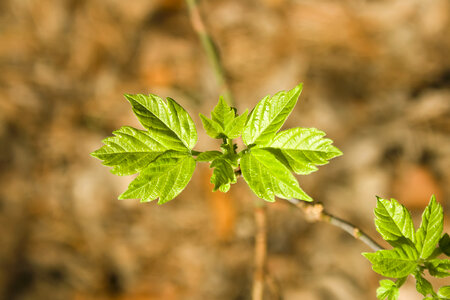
430	229
396	263
166	122
212	128
388	290
439	268
393	221
234	129
224	122
268	177
164	178
423	286
444	292
269	115
302	149
129	151
222	113
208	156
223	175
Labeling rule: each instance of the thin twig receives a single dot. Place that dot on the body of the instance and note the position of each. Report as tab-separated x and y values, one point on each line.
315	212
210	49
259	210
260	252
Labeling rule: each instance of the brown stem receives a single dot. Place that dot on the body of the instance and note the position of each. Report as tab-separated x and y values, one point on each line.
260	212
260	252
315	212
211	50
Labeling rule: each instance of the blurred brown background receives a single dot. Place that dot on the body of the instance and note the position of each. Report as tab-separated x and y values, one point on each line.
376	78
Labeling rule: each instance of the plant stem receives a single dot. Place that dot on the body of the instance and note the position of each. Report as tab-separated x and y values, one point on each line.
210	49
259	209
260	252
315	212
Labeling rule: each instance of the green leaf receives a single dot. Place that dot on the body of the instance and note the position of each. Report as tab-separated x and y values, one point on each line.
168	122
430	230
444	244
387	290
423	286
267	177
395	263
439	268
222	113
129	151
164	178
212	128
229	154
393	221
223	175
224	122
444	292
302	149
269	115
234	129
208	156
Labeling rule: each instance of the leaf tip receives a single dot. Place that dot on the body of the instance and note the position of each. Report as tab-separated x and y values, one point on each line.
94	154
129	97
309	199
433	199
379	199
337	152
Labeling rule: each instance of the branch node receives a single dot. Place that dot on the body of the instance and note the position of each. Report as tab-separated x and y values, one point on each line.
313	212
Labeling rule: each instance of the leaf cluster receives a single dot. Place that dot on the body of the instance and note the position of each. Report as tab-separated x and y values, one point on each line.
414	251
164	157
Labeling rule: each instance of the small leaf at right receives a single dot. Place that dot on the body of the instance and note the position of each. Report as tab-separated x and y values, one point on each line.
395	263
393	221
388	290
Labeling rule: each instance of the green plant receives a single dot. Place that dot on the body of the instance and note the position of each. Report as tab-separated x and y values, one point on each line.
413	252
164	157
